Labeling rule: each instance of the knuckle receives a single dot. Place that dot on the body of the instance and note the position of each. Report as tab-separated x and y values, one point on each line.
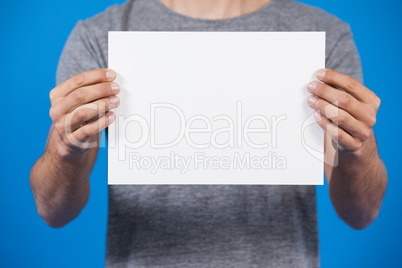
377	102
86	132
342	118
355	145
79	79
365	134
78	96
352	83
346	100
52	96
54	113
371	120
81	115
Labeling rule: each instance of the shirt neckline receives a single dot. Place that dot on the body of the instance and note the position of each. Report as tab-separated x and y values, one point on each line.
257	12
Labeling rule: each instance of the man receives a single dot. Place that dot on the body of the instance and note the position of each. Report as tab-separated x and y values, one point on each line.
210	226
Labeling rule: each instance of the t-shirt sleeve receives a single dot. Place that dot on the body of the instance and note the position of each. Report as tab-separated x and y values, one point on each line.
80	53
343	56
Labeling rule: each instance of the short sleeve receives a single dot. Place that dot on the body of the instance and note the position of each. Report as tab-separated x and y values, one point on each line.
80	53
344	57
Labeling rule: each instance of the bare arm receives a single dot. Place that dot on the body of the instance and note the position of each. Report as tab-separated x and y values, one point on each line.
357	185
356	174
60	178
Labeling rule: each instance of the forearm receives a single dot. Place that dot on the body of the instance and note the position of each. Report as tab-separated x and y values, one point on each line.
357	185
81	109
60	185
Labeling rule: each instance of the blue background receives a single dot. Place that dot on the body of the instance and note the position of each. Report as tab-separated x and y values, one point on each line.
32	37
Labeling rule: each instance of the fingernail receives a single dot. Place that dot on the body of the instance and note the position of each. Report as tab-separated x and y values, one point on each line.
317	115
115	88
311	100
311	86
115	101
110	74
112	116
320	74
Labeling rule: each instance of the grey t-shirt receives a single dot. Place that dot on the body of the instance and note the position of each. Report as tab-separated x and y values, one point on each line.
209	226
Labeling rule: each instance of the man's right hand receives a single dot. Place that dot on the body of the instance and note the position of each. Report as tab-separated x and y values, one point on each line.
81	108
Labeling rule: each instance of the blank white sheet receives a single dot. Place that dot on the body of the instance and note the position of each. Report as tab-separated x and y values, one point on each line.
215	108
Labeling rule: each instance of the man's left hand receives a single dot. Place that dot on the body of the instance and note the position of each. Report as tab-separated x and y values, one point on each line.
345	109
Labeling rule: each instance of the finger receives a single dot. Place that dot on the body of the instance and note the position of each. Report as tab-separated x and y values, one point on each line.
340	117
337	97
343	139
80	80
89	112
85	95
86	132
347	83
344	100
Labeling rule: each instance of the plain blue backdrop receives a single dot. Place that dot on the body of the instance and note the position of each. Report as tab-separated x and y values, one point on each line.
32	37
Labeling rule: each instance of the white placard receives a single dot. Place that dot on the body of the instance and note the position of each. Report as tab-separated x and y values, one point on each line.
215	108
